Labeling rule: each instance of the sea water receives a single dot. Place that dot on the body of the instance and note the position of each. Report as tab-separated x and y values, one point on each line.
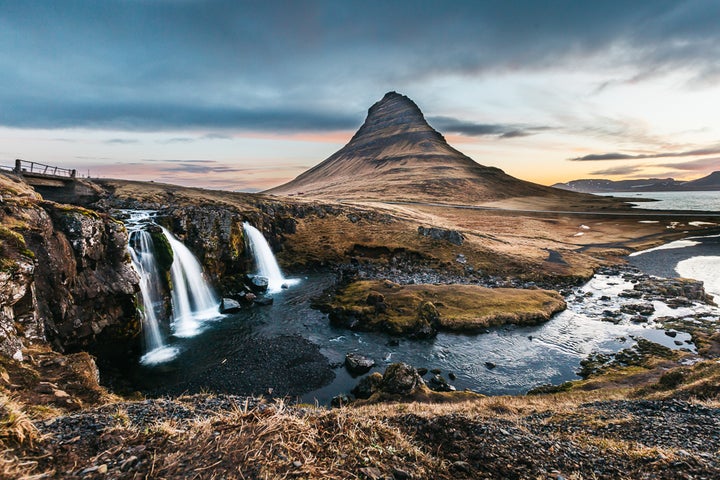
705	201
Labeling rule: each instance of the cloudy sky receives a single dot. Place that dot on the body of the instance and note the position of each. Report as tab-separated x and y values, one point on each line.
246	95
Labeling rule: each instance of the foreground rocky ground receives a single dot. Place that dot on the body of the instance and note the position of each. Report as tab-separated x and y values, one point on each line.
652	417
561	436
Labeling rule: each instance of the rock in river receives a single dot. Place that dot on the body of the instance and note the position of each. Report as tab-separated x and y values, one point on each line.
358	364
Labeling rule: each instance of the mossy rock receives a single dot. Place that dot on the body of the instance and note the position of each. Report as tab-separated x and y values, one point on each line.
163	251
421	310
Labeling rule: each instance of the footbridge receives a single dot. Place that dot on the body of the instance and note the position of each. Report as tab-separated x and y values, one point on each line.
53	183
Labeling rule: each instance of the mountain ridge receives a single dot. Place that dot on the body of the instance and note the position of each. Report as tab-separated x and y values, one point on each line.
709	182
397	155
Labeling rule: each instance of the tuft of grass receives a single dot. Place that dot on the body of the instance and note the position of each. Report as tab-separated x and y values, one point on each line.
15	425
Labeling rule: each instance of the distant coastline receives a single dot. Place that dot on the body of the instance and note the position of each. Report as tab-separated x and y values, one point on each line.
708	183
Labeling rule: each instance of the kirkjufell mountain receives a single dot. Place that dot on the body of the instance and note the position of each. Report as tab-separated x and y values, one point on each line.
397	155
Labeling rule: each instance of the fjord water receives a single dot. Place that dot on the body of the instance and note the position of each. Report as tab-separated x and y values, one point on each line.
700	200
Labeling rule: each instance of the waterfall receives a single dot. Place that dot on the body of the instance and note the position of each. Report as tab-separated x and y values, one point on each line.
141	250
192	298
265	260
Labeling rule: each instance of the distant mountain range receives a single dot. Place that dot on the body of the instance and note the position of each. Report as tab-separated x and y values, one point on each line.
710	182
396	155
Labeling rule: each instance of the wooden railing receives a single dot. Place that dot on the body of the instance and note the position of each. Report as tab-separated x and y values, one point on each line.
23	166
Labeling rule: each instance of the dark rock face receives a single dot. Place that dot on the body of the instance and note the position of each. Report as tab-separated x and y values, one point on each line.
84	278
66	277
452	236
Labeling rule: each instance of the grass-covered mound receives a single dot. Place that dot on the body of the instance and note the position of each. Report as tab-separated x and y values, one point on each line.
422	310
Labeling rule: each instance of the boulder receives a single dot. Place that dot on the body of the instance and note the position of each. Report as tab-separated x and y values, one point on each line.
452	236
258	283
228	305
402	379
358	364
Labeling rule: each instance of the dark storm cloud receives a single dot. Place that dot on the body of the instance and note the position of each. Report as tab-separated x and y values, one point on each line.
454	125
714	150
293	65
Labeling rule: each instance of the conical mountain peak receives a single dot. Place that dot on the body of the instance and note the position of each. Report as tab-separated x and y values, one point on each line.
394	114
396	155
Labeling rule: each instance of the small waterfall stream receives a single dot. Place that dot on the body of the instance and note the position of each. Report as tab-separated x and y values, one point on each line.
265	260
192	299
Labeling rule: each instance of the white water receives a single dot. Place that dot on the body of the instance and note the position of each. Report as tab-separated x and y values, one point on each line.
265	260
143	260
192	298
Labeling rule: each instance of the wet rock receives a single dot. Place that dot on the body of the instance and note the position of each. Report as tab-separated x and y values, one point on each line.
228	305
257	283
401	378
645	309
671	333
368	385
358	364
422	371
439	384
490	365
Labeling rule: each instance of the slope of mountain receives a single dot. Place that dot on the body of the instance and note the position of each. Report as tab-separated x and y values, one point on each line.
396	155
710	182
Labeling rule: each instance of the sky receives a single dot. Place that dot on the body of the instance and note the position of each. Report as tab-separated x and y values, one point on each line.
241	95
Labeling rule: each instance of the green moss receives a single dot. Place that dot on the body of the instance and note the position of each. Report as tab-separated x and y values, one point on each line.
11	237
409	309
75	209
163	250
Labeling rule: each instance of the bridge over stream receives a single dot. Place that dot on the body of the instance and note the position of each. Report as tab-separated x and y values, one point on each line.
54	183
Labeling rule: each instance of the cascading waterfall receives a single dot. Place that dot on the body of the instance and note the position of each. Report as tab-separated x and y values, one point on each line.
265	260
192	298
141	250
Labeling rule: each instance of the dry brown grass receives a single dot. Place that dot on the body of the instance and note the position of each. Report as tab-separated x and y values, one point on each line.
276	443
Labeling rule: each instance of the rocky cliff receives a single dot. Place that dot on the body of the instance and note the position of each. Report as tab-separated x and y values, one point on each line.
65	276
